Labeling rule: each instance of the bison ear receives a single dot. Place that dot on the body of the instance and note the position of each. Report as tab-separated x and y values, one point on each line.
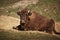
18	13
29	12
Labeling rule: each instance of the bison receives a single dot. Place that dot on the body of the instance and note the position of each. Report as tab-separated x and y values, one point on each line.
31	20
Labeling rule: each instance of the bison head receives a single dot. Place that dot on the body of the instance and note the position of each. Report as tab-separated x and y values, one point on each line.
24	16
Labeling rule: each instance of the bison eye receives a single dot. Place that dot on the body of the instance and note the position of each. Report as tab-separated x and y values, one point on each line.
28	19
29	14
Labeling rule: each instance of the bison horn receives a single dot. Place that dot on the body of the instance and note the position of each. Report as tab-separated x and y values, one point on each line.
29	11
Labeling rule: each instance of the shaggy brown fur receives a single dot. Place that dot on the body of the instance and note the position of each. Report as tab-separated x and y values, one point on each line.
40	23
36	22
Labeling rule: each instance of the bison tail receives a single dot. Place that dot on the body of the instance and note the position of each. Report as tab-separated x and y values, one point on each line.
53	25
56	32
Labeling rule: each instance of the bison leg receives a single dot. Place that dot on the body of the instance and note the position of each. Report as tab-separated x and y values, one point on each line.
41	30
15	28
19	27
50	26
49	31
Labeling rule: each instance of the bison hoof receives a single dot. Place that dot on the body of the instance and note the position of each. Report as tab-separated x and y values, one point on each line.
14	28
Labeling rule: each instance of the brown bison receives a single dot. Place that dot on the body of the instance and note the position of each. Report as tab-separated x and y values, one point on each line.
31	20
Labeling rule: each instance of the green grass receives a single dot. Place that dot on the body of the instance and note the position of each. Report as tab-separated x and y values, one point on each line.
4	3
49	8
5	10
9	12
25	35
